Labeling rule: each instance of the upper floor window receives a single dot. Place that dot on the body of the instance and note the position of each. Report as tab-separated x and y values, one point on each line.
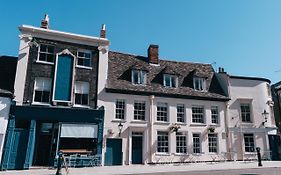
199	83
245	112
139	110
249	142
170	80
82	93
214	115
138	77
180	113
162	112
46	53
120	109
84	58
42	90
198	114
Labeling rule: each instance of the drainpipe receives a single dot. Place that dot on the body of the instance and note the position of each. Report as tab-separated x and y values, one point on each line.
226	124
150	127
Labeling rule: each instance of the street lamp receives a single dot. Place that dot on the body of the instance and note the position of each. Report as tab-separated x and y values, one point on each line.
264	114
120	127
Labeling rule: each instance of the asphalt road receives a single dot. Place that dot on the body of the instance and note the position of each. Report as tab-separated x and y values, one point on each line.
258	171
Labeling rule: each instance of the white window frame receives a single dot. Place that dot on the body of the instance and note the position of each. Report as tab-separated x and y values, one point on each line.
200	144
213	145
85	89
123	109
141	77
159	106
181	143
141	112
215	116
254	144
41	89
193	114
173	79
201	86
247	112
181	114
79	57
165	145
48	53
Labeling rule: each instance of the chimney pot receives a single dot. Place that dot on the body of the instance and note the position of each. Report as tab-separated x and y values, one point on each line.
103	31
45	22
153	56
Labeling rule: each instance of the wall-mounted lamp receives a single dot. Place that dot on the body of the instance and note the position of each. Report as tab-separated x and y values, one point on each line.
264	114
120	127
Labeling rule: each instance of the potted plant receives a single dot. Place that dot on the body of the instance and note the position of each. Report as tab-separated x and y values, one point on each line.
211	129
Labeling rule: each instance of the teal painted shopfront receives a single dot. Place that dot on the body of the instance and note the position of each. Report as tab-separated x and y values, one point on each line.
36	134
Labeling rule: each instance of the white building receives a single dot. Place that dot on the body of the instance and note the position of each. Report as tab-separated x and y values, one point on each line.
5	102
146	100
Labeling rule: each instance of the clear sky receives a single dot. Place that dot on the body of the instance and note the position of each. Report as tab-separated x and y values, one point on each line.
243	36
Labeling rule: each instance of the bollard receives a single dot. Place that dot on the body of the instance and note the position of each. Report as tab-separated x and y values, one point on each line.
259	155
59	164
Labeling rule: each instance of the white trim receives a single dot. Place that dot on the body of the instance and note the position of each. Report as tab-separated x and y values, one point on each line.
44	62
64	52
38	54
83	67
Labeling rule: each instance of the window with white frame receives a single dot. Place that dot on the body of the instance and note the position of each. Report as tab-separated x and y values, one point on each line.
199	83
245	112
215	115
46	53
249	142
170	80
42	90
198	114
196	143
181	146
162	112
162	142
120	109
84	58
139	110
81	93
213	143
139	77
180	113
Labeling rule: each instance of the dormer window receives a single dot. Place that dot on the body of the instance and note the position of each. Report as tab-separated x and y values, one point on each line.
170	80
84	58
199	83
139	77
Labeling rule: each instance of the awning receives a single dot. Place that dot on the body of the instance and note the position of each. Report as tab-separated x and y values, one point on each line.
78	130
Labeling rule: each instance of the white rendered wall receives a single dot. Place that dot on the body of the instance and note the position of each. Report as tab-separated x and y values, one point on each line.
150	127
4	116
254	92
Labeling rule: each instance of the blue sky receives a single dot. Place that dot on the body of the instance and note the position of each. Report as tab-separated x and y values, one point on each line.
243	36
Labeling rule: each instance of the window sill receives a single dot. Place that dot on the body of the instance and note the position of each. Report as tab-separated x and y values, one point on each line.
40	104
84	67
214	125
44	62
118	120
161	123
198	154
181	123
180	154
139	121
80	106
162	154
198	124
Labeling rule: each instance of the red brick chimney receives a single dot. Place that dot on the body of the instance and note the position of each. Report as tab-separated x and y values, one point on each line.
45	22
153	54
103	31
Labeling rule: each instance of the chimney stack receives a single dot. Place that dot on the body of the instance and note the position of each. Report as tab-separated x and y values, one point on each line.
103	31
153	54
45	22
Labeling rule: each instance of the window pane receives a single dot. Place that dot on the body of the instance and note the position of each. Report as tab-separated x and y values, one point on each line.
45	97
43	48
85	99
37	96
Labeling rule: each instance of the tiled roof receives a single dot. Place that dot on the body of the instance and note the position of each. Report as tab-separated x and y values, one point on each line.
119	78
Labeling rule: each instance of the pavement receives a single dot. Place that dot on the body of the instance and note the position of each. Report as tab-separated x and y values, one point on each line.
150	169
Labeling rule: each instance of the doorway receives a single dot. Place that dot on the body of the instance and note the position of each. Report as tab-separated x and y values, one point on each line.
113	154
137	139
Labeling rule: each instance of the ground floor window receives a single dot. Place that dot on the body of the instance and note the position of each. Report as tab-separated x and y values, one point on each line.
196	143
249	142
181	143
213	143
162	142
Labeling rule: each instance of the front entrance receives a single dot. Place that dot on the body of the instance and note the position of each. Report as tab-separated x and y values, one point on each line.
18	149
274	144
113	154
137	148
